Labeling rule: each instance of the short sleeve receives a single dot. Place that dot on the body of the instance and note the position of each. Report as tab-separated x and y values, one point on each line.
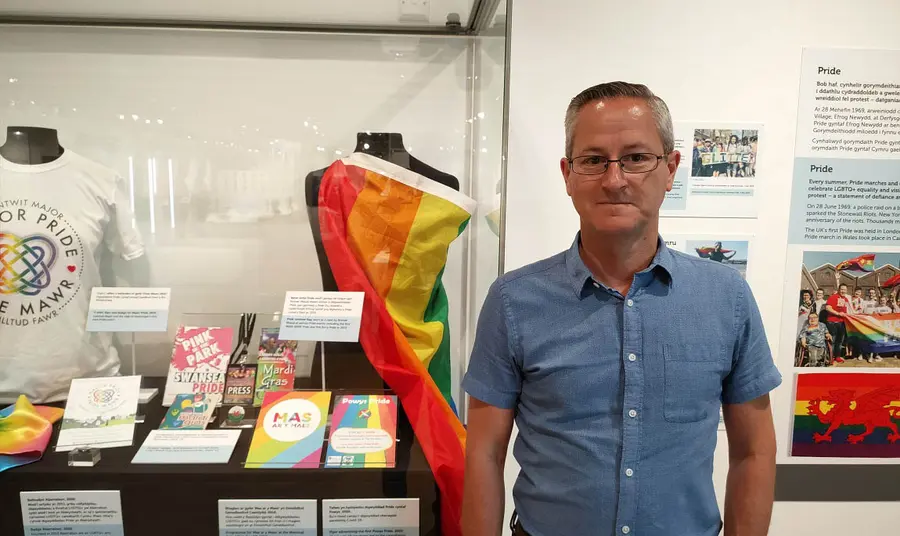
494	375
753	372
121	235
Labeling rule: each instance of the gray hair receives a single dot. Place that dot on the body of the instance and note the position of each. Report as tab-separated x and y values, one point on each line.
613	90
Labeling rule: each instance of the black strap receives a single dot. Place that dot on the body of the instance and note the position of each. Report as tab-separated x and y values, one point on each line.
245	333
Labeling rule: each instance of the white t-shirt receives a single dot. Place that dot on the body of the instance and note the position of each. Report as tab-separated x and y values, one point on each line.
55	220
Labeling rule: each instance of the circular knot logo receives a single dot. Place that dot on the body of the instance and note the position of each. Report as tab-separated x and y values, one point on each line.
25	263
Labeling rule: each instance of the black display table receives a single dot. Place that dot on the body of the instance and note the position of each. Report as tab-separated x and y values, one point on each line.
181	500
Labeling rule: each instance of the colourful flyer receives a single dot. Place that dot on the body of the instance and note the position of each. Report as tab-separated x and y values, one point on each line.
271	346
363	432
190	412
273	374
847	415
240	382
290	430
199	359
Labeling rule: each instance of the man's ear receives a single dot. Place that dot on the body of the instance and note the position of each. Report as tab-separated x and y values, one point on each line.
566	171
672	163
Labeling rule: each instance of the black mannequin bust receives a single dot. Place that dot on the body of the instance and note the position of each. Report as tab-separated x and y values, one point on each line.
30	146
347	362
384	145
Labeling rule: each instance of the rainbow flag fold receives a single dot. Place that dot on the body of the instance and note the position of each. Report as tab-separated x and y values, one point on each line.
874	333
25	431
863	263
386	231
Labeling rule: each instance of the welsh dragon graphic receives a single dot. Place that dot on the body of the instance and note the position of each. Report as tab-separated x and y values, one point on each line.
872	410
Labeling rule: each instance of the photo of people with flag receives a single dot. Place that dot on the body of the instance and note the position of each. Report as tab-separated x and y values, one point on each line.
848	313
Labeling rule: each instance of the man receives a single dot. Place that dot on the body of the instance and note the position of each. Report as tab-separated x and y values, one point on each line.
820	301
837	308
614	363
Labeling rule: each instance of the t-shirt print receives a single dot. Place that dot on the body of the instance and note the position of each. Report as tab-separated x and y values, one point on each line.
55	221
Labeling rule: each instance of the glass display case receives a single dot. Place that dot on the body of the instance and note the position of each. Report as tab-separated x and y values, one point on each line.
233	155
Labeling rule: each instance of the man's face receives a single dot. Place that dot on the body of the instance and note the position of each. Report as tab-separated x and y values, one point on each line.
820	294
807	298
857	293
882	300
617	202
872	294
842	290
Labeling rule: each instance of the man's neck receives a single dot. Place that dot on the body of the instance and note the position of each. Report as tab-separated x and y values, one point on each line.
614	259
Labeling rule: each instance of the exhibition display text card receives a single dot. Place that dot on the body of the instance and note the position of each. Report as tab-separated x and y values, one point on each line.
364	517
363	432
114	309
284	517
290	430
71	513
847	165
842	267
717	176
321	316
100	413
187	446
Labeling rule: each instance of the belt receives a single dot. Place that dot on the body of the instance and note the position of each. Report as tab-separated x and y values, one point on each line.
516	527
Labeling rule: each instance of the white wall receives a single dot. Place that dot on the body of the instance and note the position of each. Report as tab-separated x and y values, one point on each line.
724	62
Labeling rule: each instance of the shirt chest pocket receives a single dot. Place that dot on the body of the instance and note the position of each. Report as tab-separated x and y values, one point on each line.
693	381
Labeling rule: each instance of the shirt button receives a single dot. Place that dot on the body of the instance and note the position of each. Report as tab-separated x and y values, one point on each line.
632	357
632	413
626	529
629	472
630	303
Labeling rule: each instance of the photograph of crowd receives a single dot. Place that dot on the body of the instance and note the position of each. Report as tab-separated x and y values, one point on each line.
724	153
731	252
848	313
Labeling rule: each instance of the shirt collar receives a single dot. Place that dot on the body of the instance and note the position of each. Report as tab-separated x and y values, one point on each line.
580	276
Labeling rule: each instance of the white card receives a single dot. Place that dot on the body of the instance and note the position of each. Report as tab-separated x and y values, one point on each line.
321	316
100	413
362	517
188	446
115	309
276	517
63	513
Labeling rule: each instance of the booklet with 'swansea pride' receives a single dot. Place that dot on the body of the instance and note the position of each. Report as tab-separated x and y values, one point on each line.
363	432
199	361
290	430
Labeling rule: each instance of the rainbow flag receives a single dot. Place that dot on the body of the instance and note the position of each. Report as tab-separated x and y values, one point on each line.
386	231
874	333
25	431
892	282
852	415
863	263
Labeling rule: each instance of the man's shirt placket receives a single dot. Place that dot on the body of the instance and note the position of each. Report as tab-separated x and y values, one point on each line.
632	348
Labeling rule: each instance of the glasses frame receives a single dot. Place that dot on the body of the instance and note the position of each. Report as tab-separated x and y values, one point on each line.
659	158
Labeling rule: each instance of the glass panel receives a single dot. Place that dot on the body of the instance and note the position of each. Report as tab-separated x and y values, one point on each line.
354	13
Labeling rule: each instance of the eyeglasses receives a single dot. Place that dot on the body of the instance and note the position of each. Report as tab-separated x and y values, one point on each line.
630	163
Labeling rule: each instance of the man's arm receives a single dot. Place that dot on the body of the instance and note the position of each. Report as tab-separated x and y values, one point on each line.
484	494
751	467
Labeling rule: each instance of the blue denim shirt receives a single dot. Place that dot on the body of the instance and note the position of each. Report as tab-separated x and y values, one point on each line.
617	397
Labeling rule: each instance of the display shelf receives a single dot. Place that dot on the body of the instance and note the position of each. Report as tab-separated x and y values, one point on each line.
153	495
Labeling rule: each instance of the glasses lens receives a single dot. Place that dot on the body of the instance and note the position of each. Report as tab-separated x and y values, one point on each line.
639	162
590	165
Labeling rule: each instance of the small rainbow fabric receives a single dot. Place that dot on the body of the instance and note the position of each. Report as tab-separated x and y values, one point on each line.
363	432
386	231
290	430
25	432
863	263
847	415
874	333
